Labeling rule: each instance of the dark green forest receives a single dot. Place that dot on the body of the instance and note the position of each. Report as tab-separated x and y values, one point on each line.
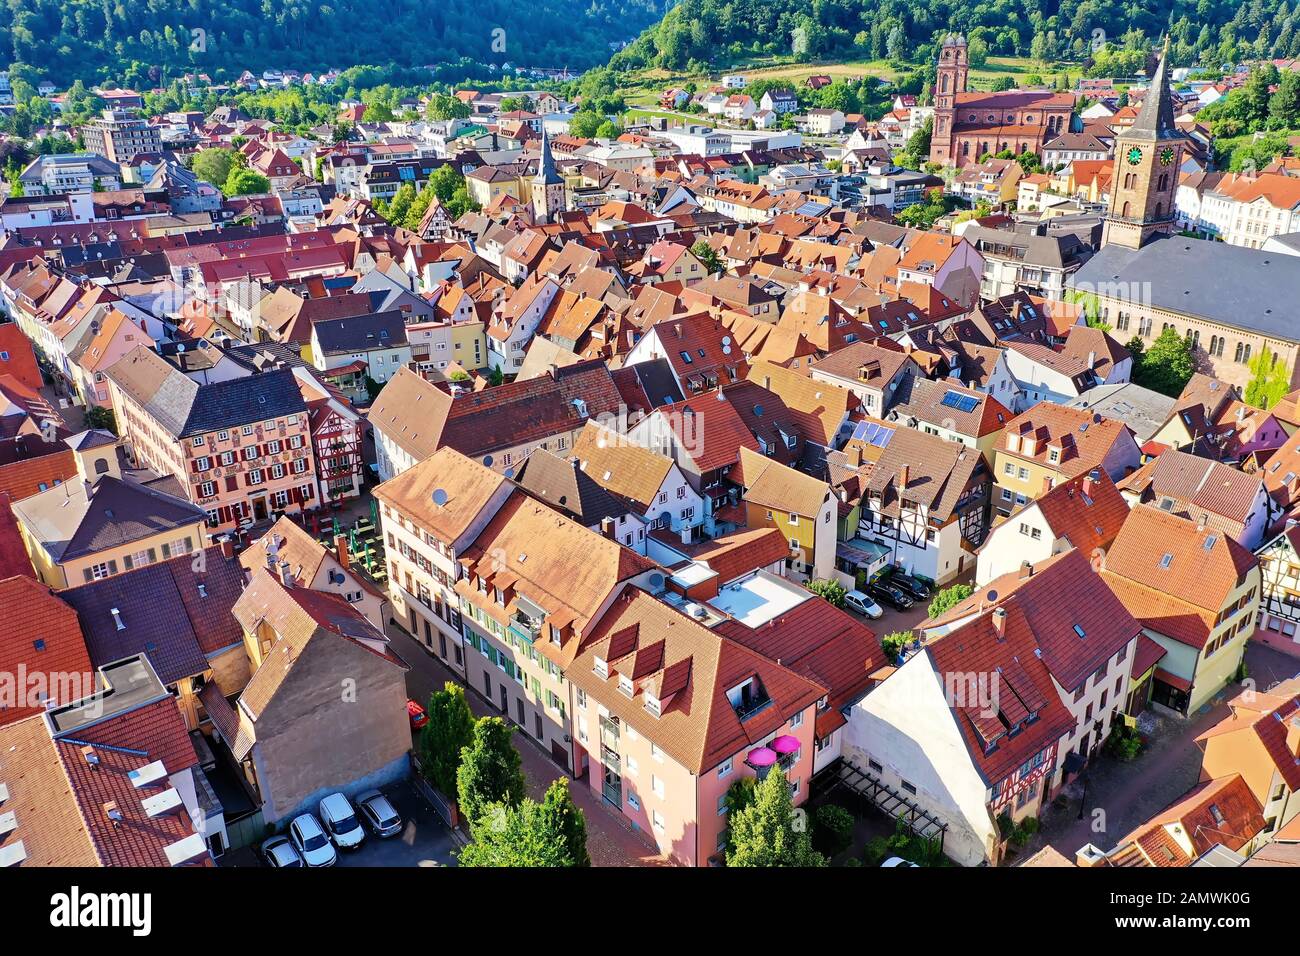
699	34
147	42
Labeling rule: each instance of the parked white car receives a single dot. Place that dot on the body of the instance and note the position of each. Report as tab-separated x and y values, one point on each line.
857	601
898	861
311	842
341	822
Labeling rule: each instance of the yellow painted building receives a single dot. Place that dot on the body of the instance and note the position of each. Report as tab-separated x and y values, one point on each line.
102	523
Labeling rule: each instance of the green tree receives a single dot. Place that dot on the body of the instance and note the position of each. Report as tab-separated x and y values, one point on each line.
1269	380
768	833
608	130
707	256
566	821
1167	364
215	165
246	182
450	729
893	643
97	416
526	835
926	214
833	829
586	124
949	597
512	103
1001	84
829	589
443	106
489	770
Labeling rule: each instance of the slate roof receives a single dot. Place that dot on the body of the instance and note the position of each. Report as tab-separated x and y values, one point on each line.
564	486
71	523
1230	285
198	622
361	333
183	407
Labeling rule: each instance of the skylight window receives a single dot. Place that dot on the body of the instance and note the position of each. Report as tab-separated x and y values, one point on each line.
1078	629
1166	560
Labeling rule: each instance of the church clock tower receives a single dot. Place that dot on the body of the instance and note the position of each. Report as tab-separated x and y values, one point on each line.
949	80
1147	157
547	186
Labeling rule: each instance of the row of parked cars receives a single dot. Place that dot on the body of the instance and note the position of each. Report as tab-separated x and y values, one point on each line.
312	841
892	587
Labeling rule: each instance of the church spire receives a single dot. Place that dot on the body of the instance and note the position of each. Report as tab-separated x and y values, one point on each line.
546	174
1155	120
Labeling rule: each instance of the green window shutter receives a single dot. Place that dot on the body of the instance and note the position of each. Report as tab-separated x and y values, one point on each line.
127	562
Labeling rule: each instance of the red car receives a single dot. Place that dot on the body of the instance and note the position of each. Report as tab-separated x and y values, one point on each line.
416	714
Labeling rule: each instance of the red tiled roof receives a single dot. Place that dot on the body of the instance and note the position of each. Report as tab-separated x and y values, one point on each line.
711	432
41	636
159	731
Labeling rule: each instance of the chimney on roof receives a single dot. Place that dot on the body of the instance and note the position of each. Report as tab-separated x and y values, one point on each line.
341	549
112	814
999	618
92	759
227	545
855	455
1092	359
1026	570
1090	482
117	619
286	574
902	476
607	527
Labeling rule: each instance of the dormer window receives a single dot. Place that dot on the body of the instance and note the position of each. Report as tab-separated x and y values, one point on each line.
652	704
600	667
555	635
625	684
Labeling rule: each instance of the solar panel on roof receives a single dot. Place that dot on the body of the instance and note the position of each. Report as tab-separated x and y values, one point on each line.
963	403
873	433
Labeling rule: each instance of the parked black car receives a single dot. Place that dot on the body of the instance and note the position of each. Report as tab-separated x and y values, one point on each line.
913	587
894	596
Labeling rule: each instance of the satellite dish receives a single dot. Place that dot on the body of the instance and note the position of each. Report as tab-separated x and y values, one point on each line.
992	595
487	460
726	340
726	350
656	580
510	472
439	497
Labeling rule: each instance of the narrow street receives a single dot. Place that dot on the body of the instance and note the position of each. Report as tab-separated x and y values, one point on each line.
609	841
1121	796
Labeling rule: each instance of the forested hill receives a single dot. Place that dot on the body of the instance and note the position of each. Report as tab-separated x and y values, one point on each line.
146	42
698	34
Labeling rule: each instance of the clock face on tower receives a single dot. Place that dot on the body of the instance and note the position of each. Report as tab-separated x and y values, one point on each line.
1166	156
1134	156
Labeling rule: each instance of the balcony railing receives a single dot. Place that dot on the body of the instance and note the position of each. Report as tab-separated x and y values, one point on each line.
525	628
